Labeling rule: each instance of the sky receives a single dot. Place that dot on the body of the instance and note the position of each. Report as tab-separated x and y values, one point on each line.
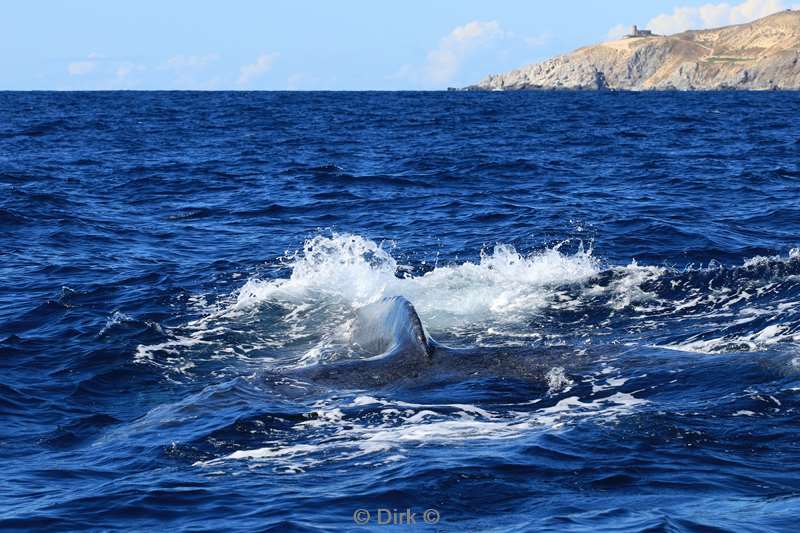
317	44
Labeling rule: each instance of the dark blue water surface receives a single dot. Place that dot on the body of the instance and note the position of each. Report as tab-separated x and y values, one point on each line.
170	260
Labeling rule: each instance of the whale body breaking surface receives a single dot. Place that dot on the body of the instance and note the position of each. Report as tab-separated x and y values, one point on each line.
399	351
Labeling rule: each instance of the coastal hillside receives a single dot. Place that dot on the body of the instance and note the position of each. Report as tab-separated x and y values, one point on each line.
760	55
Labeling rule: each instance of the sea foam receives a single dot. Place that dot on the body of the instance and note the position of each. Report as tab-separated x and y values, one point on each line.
349	269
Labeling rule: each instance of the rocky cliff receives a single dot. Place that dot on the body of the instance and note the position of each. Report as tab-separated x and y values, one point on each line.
761	55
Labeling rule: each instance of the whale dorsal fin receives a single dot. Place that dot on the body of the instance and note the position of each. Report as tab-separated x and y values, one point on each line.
389	325
391	333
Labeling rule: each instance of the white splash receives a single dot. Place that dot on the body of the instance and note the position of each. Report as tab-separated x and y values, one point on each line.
351	270
754	342
557	380
402	425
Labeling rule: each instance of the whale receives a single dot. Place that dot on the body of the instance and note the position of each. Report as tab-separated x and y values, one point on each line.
391	333
399	352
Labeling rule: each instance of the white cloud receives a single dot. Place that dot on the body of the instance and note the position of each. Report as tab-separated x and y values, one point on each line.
252	71
712	15
80	68
444	62
190	71
465	47
124	70
618	32
473	31
404	73
185	63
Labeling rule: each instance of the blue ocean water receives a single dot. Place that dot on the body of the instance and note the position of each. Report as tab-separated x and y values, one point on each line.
169	259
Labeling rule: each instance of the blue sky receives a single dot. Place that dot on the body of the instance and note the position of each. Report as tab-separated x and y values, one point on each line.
316	44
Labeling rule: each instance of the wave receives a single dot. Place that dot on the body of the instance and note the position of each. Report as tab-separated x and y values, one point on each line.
549	297
351	270
752	342
354	427
506	287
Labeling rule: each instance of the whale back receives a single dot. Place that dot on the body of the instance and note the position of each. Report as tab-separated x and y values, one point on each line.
398	351
391	333
388	325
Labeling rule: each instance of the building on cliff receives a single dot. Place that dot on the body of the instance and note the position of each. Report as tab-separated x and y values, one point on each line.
636	32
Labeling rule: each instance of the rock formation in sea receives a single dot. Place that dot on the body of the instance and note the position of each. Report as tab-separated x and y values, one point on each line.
760	55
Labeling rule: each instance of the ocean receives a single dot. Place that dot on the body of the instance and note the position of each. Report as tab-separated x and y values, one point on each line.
173	261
